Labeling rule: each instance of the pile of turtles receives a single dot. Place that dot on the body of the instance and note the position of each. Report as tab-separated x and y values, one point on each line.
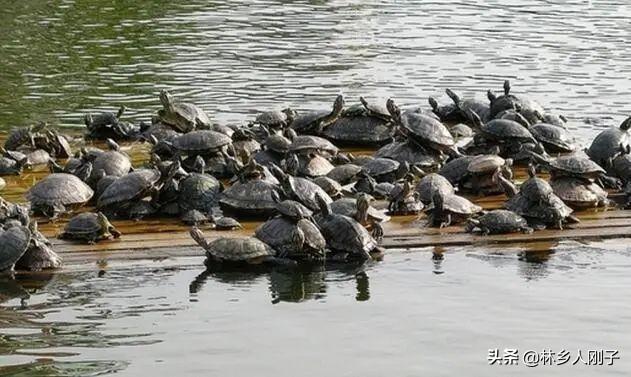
286	167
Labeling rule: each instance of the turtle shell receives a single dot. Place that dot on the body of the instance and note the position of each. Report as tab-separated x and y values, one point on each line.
293	209
330	186
227	223
359	130
314	166
501	221
431	183
38	157
578	193
253	197
504	130
134	185
182	116
458	205
272	118
113	163
280	234
343	233
411	152
576	165
278	143
535	189
380	166
61	188
344	174
238	249
428	130
348	207
608	143
554	138
86	224
303	144
456	169
13	244
306	192
201	142
485	164
199	192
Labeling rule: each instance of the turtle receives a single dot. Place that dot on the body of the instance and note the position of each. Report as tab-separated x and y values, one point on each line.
432	183
515	116
313	165
125	191
554	119
10	166
534	188
610	143
365	183
11	211
23	136
38	157
504	102
376	109
244	143
3	184
502	130
13	244
385	169
278	143
332	187
307	144
251	198
182	116
39	255
446	113
199	192
498	221
113	163
448	209
470	104
291	209
368	215
455	170
106	125
137	210
276	118
382	190
58	193
203	142
404	200
244	251
59	145
345	235
411	153
579	193
315	122
301	189
621	168
226	223
481	174
426	130
295	239
554	139
194	217
89	227
575	165
345	174
359	130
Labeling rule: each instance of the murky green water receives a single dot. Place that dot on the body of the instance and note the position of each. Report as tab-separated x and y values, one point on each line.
413	314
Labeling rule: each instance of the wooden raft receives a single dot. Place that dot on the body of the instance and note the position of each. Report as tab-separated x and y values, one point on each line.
167	239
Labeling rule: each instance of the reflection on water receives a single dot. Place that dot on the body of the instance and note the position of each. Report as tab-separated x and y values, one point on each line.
139	321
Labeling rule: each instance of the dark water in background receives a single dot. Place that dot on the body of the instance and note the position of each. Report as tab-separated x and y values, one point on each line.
410	315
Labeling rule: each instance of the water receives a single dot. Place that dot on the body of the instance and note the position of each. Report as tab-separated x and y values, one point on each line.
412	314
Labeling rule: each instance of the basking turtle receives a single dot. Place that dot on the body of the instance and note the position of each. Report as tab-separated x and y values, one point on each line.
345	174
369	127
89	227
411	153
499	221
277	119
244	143
9	166
226	223
455	170
404	200
313	165
107	125
385	169
432	183
245	251
470	104
330	186
425	130
502	131
23	136
366	215
38	157
315	122
610	143
575	165
554	138
534	188
306	144
291	209
39	255
528	108
13	244
254	197
194	217
293	239
183	117
481	174
301	189
345	235
113	163
202	143
58	193
446	113
448	209
579	193
199	192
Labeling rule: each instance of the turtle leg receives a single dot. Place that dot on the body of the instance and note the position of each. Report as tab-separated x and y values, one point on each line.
446	221
527	230
485	231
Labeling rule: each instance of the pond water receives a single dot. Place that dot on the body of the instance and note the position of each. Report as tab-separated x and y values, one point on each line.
415	313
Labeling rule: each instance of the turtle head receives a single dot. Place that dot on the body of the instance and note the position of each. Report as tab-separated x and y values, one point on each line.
291	164
506	87
291	115
121	111
491	96
298	238
626	124
532	170
434	104
112	145
338	105
198	236
166	99
454	97
475	119
290	134
394	110
104	223
325	208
